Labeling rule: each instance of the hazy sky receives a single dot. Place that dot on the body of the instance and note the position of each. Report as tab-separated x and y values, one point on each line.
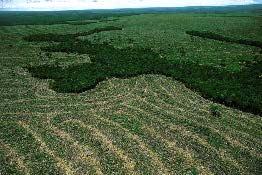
108	4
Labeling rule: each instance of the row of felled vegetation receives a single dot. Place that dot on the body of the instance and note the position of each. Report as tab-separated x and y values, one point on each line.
237	89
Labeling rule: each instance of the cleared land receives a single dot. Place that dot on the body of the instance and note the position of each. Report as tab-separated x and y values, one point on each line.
143	124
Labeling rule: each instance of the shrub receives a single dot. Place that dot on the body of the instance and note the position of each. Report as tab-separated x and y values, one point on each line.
215	110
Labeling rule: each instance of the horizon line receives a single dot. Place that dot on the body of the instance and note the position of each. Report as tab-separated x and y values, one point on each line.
124	8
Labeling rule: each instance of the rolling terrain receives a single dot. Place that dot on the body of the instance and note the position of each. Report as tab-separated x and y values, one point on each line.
198	114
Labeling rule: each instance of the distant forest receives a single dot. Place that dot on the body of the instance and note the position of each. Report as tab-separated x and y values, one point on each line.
9	18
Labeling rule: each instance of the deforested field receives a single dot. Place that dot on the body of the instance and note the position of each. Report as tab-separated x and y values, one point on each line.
162	93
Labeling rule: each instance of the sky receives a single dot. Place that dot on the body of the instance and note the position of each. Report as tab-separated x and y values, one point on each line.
111	4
